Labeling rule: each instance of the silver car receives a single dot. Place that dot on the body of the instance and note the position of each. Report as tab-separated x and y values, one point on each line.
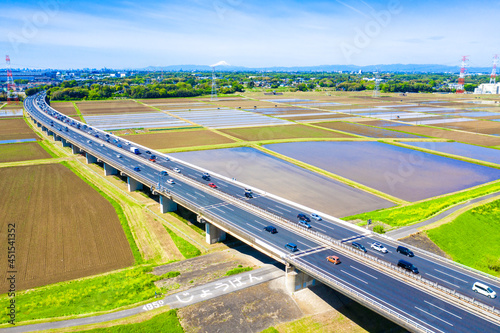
379	247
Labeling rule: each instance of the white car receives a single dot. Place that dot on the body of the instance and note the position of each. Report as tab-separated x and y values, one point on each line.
171	181
119	156
481	288
177	170
316	217
379	247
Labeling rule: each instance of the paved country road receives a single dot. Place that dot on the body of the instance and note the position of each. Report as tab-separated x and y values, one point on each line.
210	290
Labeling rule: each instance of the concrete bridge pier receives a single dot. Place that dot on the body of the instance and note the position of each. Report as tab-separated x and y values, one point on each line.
44	129
133	185
65	143
75	149
109	170
297	280
91	158
214	234
49	132
167	205
38	124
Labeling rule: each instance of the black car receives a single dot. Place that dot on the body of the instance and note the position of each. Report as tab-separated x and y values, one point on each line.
408	266
271	229
404	250
358	246
303	217
148	152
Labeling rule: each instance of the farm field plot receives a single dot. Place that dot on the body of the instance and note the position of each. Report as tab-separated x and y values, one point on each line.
284	179
461	149
65	229
225	118
476	126
476	114
22	152
384	123
112	107
15	129
190	138
155	101
131	120
316	117
283	110
182	107
11	113
244	104
281	132
363	130
66	108
403	173
435	121
481	140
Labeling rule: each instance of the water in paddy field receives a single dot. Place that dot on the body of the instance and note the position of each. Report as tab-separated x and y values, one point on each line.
403	173
11	113
17	141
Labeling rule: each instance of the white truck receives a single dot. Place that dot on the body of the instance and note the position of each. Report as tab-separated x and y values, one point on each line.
134	150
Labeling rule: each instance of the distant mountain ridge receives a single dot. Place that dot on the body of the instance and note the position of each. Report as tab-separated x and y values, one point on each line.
393	68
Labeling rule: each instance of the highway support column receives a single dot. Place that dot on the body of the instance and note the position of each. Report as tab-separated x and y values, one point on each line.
91	158
65	143
214	234
75	149
167	205
133	185
109	170
297	280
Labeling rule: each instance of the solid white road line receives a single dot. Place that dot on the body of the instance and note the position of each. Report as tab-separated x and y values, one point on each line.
430	314
437	270
253	227
376	278
443	310
443	280
303	243
357	278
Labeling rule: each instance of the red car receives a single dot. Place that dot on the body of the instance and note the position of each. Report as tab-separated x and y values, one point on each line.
212	185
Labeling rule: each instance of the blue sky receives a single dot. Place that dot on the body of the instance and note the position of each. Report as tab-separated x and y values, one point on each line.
117	34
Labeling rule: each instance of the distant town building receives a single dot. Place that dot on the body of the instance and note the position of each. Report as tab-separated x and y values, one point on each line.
488	88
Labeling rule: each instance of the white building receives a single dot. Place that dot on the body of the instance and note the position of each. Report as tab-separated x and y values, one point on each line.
488	88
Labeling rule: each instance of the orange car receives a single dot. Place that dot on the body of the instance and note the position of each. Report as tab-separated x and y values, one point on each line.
333	259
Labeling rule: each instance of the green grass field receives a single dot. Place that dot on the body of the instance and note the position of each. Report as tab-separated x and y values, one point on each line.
238	270
87	295
14	152
167	322
282	132
187	249
472	238
404	215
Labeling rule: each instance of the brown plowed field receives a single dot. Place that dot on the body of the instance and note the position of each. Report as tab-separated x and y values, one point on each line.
112	107
11	129
363	130
22	152
178	139
154	101
64	228
66	108
475	126
451	135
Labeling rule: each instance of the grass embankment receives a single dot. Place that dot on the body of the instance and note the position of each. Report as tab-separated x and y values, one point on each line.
238	270
187	249
88	295
79	113
411	213
119	211
472	238
167	322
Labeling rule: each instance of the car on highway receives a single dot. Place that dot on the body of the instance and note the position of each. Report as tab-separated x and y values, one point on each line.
119	155
404	250
102	144
316	217
483	289
358	246
291	247
119	145
303	217
137	168
205	176
163	173
171	181
148	152
167	159
408	266
379	247
271	229
333	259
212	185
152	158
177	170
304	224
88	141
248	193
